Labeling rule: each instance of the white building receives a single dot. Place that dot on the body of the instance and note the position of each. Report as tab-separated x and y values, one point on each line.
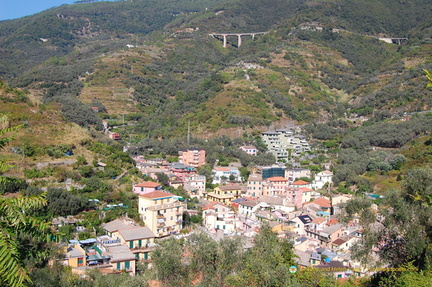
285	143
248	208
296	173
322	178
225	174
195	185
219	216
250	150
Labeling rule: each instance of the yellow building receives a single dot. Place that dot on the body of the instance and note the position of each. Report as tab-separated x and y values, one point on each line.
76	256
161	212
225	193
122	259
139	239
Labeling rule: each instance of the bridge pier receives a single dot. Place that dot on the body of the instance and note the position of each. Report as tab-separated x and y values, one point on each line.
223	37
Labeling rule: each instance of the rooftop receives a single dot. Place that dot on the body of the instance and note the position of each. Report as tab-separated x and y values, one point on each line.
323	202
116	225
156	194
120	253
277	178
300	182
230	187
148	184
250	203
136	233
221	169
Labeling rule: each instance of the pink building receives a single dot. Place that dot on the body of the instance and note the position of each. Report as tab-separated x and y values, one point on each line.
274	185
301	183
146	187
181	170
249	149
192	157
115	136
295	196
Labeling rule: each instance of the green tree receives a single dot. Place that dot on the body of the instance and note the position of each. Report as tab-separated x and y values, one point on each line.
4	140
215	260
167	262
429	77
267	263
403	231
162	178
14	221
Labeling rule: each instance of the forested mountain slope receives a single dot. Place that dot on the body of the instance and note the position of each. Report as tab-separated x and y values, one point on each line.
319	60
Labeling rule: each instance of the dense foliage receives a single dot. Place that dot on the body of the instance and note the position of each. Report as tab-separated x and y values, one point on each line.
401	233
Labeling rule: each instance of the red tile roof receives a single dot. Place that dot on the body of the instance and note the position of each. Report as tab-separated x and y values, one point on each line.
277	178
323	202
305	189
211	205
318	220
148	184
300	182
156	194
221	169
332	221
339	241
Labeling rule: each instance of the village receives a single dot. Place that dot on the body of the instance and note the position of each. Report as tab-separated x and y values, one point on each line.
297	203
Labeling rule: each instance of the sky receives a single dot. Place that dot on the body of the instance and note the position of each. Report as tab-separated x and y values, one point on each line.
12	9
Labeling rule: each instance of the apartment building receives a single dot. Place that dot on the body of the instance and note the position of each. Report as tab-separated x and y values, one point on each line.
161	212
193	157
285	143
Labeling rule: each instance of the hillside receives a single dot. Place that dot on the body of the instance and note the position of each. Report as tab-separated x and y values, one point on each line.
320	60
72	76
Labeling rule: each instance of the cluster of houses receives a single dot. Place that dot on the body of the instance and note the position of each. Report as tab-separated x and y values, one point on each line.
291	201
124	243
285	143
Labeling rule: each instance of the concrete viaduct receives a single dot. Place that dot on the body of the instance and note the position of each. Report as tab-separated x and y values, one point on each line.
223	37
397	41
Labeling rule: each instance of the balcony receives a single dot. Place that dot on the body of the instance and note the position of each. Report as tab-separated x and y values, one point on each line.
165	206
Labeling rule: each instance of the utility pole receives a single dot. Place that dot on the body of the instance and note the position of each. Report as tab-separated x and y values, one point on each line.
188	134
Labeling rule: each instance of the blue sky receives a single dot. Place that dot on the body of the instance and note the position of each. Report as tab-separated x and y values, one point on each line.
11	9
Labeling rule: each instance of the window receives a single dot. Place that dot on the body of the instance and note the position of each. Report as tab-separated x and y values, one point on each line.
140	243
80	261
118	266
127	265
131	244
